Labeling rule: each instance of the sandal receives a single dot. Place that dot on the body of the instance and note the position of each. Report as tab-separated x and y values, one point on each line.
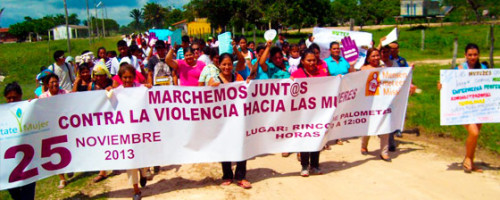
364	151
62	184
469	167
244	184
226	182
99	178
385	158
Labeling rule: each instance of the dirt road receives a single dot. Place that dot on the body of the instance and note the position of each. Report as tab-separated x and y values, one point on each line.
420	169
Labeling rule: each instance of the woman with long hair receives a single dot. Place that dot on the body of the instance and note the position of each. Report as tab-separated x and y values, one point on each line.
471	62
373	62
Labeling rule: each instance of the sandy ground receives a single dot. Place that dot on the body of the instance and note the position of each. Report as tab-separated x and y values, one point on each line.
422	168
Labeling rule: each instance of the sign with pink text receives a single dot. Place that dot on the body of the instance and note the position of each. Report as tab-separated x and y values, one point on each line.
324	36
165	125
470	96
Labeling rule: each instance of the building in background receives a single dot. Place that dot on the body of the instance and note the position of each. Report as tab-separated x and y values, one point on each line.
6	37
200	26
419	8
59	32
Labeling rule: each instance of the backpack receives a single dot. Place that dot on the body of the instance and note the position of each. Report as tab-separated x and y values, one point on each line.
51	67
162	74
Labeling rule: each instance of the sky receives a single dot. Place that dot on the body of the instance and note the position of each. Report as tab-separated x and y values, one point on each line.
16	10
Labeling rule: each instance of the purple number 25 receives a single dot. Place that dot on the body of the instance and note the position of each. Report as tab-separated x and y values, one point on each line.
19	173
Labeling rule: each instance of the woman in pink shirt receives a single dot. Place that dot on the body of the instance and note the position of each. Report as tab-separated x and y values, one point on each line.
188	69
308	67
317	51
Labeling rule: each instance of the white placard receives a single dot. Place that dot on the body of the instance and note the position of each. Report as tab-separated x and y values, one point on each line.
470	96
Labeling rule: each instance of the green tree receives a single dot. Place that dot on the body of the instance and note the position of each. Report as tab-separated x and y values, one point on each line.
20	30
375	11
111	24
306	13
275	12
174	16
137	15
344	10
469	9
154	15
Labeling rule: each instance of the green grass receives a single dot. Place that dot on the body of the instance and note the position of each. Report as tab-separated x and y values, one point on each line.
78	185
439	40
21	62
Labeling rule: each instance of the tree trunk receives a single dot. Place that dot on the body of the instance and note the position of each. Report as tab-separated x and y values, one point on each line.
475	7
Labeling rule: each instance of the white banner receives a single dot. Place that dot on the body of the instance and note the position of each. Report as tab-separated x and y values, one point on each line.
139	127
470	96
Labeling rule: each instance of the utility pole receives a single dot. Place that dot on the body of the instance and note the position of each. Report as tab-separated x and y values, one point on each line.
102	14
96	25
67	28
89	26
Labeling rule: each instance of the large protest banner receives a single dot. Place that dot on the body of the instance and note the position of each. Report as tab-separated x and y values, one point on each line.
470	96
139	127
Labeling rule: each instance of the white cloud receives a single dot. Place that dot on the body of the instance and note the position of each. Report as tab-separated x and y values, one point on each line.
16	10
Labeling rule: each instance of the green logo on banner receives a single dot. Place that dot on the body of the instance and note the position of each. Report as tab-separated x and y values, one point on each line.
19	118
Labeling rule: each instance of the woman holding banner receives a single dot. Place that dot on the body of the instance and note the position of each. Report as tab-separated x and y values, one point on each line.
101	81
51	82
373	62
127	75
308	67
14	93
472	62
227	75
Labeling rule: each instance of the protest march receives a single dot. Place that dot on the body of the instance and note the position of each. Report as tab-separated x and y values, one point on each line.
165	98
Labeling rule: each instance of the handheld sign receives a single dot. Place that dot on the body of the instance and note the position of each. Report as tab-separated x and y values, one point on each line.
152	39
349	49
225	43
270	34
176	37
391	37
324	36
161	34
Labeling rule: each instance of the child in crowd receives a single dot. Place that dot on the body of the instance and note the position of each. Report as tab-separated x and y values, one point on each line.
83	78
294	59
127	75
